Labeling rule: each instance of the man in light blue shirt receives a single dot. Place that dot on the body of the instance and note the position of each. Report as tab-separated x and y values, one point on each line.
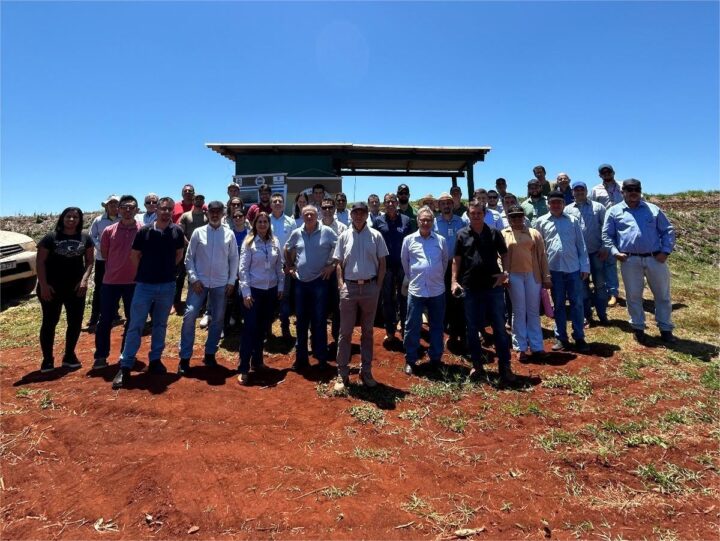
640	236
591	215
308	258
492	217
424	257
282	225
448	224
569	266
211	263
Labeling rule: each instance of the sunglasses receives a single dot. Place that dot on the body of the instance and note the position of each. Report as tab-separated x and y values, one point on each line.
492	196
632	189
328	208
238	216
151	202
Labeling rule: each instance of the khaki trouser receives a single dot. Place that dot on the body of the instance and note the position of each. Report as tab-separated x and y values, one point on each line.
357	302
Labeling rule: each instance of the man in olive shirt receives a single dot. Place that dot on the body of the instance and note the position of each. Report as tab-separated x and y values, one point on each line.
360	258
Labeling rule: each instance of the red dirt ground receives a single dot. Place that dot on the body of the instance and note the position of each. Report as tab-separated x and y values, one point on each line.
172	456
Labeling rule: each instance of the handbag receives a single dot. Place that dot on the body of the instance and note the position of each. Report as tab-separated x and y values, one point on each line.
546	306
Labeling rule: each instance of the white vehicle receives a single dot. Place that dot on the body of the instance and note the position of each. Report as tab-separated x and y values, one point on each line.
17	262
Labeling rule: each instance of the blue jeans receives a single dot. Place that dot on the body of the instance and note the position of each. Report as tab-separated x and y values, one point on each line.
611	277
568	286
109	302
160	298
311	311
393	300
193	305
634	272
257	320
490	304
436	315
598	297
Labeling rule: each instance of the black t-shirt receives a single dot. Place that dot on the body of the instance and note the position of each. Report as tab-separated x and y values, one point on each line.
157	246
478	257
393	232
65	263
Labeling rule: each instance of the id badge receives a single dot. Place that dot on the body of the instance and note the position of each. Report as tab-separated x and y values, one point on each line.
451	232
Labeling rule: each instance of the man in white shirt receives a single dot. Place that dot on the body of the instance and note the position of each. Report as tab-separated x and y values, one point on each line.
282	225
212	266
360	257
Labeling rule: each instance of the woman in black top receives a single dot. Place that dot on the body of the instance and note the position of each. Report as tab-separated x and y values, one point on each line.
64	263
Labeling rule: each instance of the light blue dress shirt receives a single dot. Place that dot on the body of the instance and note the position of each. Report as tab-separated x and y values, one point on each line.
449	230
492	219
212	256
313	250
641	230
260	265
564	243
424	261
281	229
592	216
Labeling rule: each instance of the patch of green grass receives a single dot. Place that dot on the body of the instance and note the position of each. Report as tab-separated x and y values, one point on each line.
333	492
24	392
710	377
415	415
631	370
518	409
671	479
676	417
637	440
415	504
580	530
368	414
46	402
438	389
555	438
455	423
380	455
19	325
573	384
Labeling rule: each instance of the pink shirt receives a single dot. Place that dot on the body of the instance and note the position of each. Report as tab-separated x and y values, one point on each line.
116	242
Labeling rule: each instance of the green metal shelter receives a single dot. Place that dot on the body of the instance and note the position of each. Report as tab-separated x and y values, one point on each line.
334	160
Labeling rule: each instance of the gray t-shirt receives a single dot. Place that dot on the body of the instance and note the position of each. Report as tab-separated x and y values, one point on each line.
359	252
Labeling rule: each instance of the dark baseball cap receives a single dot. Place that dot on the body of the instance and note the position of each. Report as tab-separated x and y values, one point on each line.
631	182
403	187
360	205
555	195
514	210
605	166
212	205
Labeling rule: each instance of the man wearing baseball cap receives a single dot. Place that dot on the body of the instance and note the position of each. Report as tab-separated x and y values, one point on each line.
569	266
639	235
360	258
591	215
608	193
404	206
459	207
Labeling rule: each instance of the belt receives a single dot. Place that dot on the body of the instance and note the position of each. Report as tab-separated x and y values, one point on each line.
647	254
361	282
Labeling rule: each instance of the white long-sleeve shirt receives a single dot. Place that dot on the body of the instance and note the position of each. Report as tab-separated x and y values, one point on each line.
212	256
260	265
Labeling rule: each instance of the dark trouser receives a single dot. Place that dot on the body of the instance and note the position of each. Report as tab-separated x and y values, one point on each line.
598	297
74	308
180	275
333	307
288	290
111	295
97	291
311	309
393	300
454	311
490	303
233	307
257	319
568	286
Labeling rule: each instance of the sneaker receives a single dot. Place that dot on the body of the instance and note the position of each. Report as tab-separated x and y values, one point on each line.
121	379
408	369
612	301
47	365
582	346
640	336
668	337
341	384
71	363
157	367
183	367
209	360
368	380
560	345
205	321
244	379
99	363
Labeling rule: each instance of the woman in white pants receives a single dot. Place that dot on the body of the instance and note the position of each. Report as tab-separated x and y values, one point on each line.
526	261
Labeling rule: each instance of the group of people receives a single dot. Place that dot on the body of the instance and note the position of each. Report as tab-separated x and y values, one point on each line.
460	267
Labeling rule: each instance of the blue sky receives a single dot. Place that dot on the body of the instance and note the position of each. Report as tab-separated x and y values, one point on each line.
109	97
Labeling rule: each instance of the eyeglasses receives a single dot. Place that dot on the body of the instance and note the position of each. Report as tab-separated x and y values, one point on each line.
238	216
492	196
403	193
631	189
188	191
151	202
234	204
128	207
328	208
165	209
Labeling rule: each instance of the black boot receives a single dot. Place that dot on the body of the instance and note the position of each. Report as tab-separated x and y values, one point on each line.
121	378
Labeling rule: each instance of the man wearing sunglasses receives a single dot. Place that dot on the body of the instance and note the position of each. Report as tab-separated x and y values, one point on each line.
150	214
640	236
